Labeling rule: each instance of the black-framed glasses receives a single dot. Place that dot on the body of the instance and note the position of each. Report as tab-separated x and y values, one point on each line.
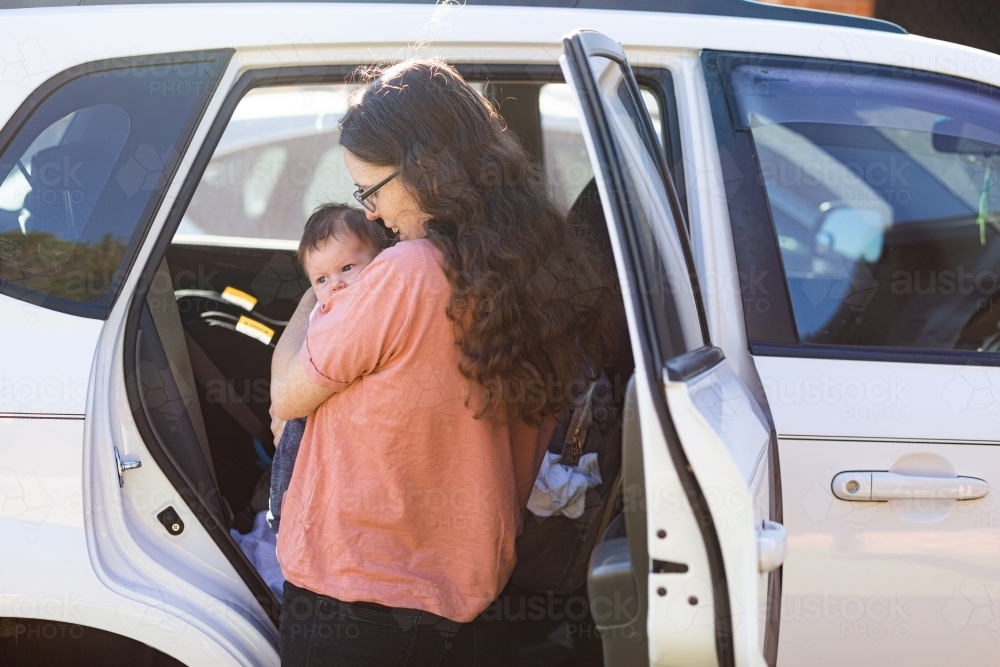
362	195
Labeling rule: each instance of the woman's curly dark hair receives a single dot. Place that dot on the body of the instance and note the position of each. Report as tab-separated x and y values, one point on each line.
532	303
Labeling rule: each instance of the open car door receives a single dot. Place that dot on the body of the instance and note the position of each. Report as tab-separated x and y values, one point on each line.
700	542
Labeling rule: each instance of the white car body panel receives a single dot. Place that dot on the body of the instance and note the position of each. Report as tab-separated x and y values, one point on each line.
931	564
47	568
94	542
50	383
900	582
297	33
882	400
727	441
132	553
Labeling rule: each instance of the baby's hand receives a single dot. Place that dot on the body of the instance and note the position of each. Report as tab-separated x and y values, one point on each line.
277	426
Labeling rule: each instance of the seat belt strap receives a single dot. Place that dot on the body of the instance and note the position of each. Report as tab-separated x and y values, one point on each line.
579	424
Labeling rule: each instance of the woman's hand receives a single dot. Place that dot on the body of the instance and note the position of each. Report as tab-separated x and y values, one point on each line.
293	393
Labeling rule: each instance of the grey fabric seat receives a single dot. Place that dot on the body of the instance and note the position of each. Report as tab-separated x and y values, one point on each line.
170	395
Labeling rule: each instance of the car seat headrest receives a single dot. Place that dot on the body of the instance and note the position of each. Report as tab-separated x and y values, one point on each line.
66	181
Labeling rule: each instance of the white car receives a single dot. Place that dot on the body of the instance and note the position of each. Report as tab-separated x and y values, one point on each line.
805	223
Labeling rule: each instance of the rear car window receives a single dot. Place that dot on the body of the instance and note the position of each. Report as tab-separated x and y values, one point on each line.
663	274
84	165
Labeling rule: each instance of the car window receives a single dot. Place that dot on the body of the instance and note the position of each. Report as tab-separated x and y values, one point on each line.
278	159
883	194
664	277
566	162
86	167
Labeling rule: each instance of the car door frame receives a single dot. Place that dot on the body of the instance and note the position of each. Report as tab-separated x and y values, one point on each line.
245	81
578	47
231	96
132	554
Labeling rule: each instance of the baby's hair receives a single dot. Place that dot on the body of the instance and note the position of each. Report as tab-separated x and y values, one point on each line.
335	220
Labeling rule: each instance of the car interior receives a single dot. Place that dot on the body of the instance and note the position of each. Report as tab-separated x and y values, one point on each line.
229	281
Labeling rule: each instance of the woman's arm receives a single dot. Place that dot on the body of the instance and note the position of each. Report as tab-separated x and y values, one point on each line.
293	393
362	329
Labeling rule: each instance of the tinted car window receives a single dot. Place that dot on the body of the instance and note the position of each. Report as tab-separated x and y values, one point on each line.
883	192
663	278
82	169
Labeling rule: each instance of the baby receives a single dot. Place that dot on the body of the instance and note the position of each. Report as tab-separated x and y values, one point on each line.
338	242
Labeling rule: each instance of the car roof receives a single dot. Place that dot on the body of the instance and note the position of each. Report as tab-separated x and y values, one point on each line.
730	8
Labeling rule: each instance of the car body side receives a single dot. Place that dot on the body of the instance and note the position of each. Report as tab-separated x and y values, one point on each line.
86	557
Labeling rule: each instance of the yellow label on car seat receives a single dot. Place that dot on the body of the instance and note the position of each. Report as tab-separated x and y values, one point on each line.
255	329
239	298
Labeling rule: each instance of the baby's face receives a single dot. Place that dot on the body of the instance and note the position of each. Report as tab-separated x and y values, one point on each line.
335	264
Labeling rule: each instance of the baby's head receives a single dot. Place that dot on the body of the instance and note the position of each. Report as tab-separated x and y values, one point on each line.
337	243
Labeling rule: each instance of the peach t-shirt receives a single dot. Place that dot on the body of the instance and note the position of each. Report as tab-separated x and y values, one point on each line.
399	495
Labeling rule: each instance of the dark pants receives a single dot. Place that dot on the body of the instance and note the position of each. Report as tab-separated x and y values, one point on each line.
317	631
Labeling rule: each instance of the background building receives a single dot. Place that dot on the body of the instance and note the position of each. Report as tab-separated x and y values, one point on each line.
971	22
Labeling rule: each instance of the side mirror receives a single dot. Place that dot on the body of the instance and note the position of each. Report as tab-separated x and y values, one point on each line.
854	233
954	136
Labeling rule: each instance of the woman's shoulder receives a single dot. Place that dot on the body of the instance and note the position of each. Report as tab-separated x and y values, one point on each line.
413	267
410	253
415	250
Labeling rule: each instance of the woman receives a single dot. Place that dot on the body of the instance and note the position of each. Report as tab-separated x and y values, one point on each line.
431	382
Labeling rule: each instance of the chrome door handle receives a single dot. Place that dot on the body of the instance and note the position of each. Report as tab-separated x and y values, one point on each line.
868	485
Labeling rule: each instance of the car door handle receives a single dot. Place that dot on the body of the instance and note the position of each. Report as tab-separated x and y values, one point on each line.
868	485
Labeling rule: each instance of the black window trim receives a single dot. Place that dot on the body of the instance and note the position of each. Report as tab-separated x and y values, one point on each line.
758	262
904	355
660	82
772	333
100	308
